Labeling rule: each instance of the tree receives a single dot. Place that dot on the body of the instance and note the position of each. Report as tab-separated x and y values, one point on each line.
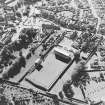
15	68
92	29
85	46
3	100
67	89
74	35
80	77
6	55
23	36
22	61
18	14
5	76
61	95
77	56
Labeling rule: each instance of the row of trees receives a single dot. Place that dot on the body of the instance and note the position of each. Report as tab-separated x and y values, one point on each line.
25	38
72	22
59	8
7	57
53	40
15	68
